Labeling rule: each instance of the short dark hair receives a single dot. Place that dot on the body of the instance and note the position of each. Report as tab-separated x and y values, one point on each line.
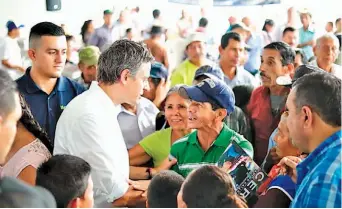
128	30
156	13
65	176
228	36
286	52
322	93
69	37
163	190
8	90
203	22
44	29
121	55
209	187
288	29
242	95
268	22
301	53
331	23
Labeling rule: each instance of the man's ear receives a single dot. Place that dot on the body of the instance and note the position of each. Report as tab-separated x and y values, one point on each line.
220	49
32	54
308	116
221	113
124	76
290	69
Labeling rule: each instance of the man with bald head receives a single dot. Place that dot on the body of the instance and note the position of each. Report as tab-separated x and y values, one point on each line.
326	51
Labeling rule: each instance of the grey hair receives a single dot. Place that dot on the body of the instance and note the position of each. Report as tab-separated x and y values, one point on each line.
121	55
174	89
328	36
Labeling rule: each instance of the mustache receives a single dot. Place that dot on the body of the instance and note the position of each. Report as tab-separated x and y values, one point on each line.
263	74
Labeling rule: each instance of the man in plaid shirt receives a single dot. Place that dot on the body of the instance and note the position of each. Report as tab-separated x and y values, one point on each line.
314	123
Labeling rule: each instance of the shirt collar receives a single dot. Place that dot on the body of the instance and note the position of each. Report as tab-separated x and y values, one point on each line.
32	87
220	141
310	28
308	163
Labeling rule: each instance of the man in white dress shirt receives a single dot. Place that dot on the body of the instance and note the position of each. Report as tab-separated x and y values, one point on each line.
88	127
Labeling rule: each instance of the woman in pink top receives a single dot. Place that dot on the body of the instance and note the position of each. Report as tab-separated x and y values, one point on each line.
31	148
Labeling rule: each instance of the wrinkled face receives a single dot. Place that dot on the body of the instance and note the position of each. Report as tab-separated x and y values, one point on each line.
298	61
176	111
49	56
284	146
8	129
201	115
195	50
271	67
295	124
88	72
290	38
136	84
305	19
326	51
87	201
232	54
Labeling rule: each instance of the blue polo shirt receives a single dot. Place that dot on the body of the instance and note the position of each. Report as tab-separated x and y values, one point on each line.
305	36
45	108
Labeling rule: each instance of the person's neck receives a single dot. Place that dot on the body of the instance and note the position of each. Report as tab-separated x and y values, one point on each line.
130	108
198	62
46	84
306	27
178	133
322	133
229	71
325	66
208	135
278	90
113	91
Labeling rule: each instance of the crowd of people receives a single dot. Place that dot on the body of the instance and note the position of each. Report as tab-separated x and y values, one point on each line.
122	128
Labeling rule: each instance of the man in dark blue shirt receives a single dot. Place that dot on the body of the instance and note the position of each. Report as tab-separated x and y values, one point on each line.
44	88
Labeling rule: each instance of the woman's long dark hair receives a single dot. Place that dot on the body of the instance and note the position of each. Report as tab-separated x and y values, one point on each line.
84	29
32	125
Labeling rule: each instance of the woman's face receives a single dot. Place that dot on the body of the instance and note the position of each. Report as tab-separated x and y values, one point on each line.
284	146
176	111
90	27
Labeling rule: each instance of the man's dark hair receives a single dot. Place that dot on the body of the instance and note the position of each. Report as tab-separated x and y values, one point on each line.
69	38
301	53
268	22
209	187
203	22
228	36
242	95
331	24
288	29
163	190
156	13
8	90
322	93
128	30
44	29
121	55
286	52
65	176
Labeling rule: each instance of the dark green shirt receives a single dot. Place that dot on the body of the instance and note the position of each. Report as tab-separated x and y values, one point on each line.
190	155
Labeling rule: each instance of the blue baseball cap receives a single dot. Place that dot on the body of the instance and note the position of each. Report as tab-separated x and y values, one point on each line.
210	72
211	90
11	25
158	70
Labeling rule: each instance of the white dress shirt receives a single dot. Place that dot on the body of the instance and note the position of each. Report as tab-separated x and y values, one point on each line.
336	70
88	128
136	127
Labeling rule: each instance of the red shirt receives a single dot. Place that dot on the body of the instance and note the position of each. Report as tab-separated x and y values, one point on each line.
263	121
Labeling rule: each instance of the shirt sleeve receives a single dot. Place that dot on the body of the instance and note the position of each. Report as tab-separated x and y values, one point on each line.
150	143
112	183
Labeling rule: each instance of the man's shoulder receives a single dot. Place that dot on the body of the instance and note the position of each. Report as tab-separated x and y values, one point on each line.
42	198
76	86
181	67
181	143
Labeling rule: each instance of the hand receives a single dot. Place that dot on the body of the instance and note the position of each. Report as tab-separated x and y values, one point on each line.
166	165
274	155
130	199
140	185
288	166
161	91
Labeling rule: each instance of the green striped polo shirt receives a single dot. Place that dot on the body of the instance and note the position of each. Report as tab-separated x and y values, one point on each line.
190	155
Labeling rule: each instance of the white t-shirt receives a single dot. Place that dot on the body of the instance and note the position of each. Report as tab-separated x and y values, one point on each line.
10	51
88	128
336	69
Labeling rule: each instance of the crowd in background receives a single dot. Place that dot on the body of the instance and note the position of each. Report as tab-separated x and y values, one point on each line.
139	115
